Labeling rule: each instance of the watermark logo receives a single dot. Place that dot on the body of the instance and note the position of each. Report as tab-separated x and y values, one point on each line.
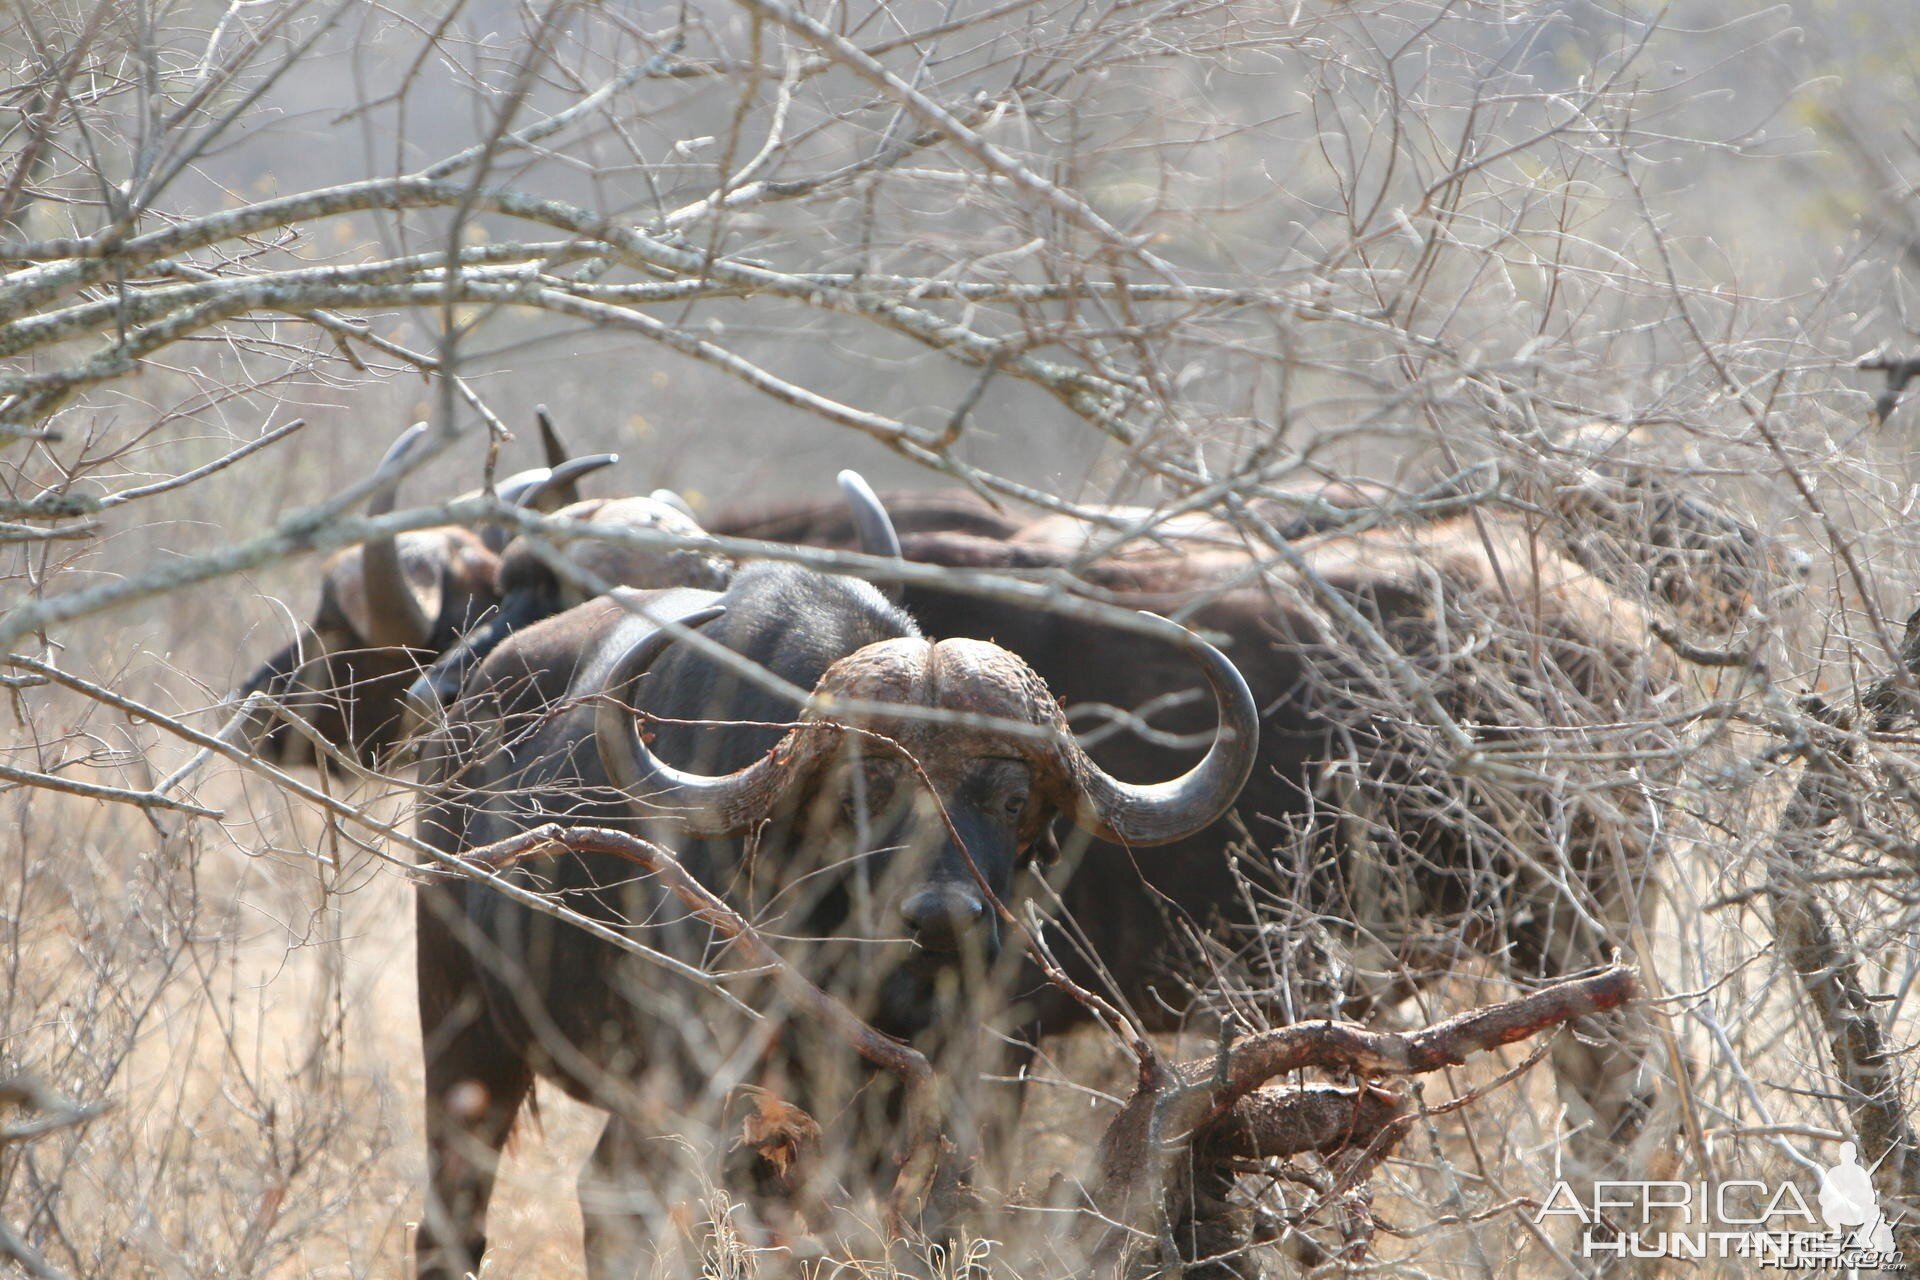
1851	1206
1769	1225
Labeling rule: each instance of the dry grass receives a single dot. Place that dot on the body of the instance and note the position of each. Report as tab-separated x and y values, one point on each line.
248	1018
240	995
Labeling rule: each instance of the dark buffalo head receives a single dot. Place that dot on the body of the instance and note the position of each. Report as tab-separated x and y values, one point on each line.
529	588
386	607
949	757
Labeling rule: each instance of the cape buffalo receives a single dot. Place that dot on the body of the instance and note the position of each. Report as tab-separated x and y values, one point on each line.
961	514
826	523
1364	824
1362	833
386	607
530	588
1610	504
1361	823
919	774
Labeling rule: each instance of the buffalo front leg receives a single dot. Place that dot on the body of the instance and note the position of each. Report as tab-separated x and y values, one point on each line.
616	1198
1621	1122
1607	1072
1606	1079
475	1083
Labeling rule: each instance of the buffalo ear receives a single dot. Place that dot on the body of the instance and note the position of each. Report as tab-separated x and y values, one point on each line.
1045	849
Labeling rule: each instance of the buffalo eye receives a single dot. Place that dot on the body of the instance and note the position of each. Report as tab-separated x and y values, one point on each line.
875	789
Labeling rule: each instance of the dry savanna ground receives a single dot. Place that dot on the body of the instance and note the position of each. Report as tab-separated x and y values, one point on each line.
244	1011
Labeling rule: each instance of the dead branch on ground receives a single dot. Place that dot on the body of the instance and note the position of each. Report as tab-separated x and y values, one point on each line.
1172	1143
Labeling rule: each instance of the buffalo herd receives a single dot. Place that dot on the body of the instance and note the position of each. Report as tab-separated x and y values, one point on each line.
1419	739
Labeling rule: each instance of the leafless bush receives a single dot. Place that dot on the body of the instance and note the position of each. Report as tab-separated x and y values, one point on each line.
1528	273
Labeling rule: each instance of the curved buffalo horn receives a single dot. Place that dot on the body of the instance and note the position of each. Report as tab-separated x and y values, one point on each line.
872	526
1162	812
705	806
550	446
550	488
871	523
395	616
543	489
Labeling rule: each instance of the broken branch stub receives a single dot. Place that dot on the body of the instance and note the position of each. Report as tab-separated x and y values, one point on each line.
1181	1125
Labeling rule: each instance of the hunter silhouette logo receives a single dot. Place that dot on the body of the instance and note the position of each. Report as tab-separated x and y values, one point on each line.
1851	1206
1771	1226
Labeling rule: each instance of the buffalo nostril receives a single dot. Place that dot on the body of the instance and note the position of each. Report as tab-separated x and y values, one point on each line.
940	916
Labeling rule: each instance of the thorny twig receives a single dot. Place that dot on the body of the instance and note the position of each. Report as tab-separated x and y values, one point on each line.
54	1113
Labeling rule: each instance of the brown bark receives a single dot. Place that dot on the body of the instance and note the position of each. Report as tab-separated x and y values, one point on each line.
1865	1062
1219	1108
